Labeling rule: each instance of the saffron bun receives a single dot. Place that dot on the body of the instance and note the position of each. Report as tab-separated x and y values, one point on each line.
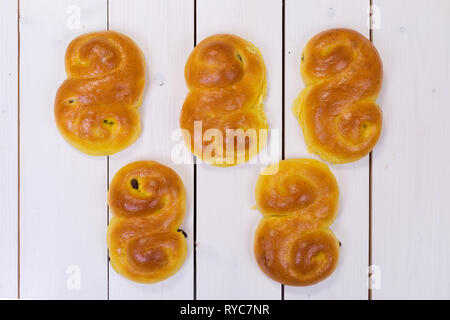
148	201
337	110
96	107
293	244
226	78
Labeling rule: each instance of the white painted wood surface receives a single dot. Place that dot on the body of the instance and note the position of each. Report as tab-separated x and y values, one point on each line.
62	198
410	166
166	48
303	20
63	212
226	222
8	149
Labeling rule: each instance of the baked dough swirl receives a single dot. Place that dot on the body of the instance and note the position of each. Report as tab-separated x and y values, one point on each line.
293	244
340	119
226	78
96	107
148	200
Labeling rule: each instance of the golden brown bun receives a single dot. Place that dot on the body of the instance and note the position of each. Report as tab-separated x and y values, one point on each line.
149	202
293	244
96	108
226	78
340	119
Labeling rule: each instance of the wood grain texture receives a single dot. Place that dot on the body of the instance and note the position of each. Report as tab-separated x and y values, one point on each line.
164	30
8	148
226	268
63	192
411	175
303	20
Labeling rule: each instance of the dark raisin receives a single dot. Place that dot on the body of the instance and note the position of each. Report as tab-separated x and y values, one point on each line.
108	122
134	184
340	244
239	57
183	232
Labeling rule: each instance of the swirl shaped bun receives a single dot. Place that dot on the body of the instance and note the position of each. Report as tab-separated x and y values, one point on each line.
337	110
96	107
302	187
149	202
293	244
226	78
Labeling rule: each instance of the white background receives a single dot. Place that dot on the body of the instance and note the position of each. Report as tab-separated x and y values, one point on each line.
394	208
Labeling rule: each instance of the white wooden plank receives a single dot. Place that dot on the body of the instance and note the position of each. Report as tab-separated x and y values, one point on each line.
63	191
303	20
8	147
164	30
226	268
411	175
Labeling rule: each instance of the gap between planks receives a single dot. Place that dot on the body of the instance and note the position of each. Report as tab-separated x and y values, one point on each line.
195	183
107	183
18	149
